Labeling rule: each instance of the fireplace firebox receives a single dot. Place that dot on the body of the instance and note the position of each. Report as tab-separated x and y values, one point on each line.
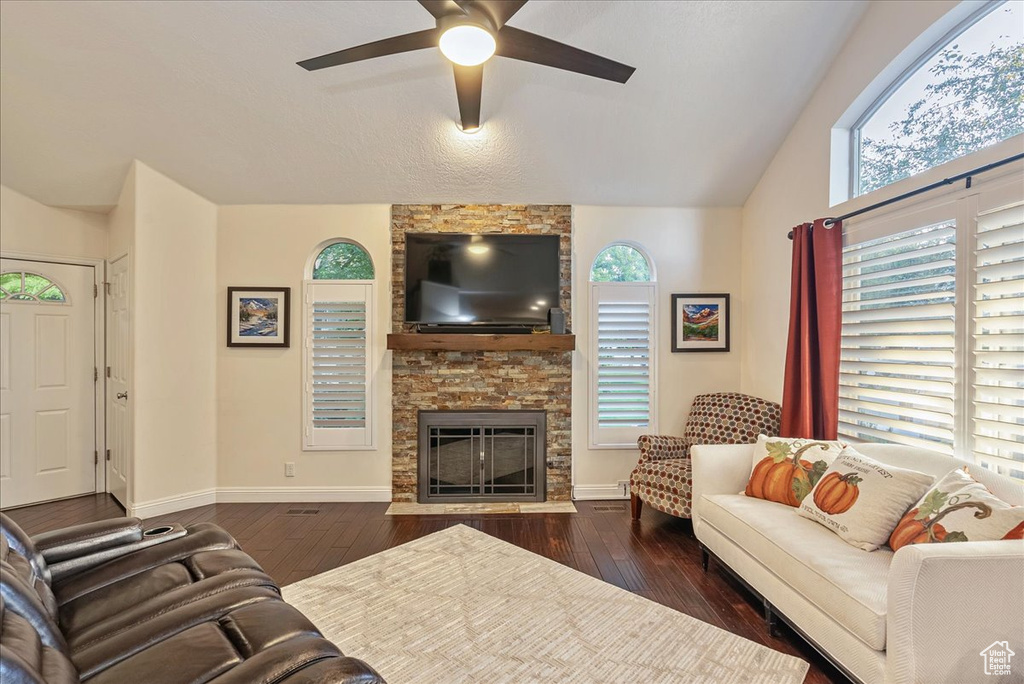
469	456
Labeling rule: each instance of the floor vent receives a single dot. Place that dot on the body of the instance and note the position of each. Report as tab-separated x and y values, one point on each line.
302	511
610	509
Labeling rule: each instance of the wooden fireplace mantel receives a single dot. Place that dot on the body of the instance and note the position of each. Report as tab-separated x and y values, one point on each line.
476	342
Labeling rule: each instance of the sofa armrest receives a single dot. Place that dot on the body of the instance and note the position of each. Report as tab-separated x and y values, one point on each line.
947	603
662	447
88	538
719	469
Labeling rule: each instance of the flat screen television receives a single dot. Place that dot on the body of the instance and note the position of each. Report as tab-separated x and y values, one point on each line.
456	279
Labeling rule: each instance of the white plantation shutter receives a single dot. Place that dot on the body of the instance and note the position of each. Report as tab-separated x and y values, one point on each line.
997	341
622	363
338	365
898	364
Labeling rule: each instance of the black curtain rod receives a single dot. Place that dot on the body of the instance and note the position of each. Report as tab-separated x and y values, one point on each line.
938	184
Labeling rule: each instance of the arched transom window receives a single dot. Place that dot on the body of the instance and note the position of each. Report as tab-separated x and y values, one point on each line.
963	95
343	261
621	263
30	287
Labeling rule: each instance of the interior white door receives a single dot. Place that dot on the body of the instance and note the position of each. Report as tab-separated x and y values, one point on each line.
47	390
118	380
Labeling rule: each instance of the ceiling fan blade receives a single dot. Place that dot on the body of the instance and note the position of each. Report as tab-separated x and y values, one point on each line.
469	85
499	11
442	8
529	47
380	48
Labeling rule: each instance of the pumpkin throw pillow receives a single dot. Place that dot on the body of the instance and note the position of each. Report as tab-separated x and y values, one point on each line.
785	469
958	508
862	500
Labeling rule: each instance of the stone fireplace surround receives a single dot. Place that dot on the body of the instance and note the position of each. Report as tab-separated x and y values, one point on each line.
480	380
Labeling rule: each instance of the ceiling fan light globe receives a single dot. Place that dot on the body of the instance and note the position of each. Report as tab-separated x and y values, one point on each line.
467	44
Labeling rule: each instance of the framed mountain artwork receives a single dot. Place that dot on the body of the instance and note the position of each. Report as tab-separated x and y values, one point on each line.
258	316
700	322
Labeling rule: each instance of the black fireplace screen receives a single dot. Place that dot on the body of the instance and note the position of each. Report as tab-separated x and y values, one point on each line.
478	456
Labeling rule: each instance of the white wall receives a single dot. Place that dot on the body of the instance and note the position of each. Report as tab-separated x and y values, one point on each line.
795	187
174	308
28	227
259	409
694	250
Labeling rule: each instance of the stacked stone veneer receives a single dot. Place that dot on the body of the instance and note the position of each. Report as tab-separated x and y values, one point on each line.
480	381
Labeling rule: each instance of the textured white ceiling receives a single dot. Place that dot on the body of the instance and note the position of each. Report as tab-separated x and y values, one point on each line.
209	94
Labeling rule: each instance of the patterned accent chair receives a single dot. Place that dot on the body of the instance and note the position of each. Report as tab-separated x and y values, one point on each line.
662	476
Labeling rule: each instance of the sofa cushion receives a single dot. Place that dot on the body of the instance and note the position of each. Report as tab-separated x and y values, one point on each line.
862	500
665	485
784	469
846	583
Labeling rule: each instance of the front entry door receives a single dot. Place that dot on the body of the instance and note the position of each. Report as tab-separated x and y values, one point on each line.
47	376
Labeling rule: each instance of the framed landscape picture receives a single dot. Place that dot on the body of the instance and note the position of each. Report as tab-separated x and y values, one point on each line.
258	316
700	322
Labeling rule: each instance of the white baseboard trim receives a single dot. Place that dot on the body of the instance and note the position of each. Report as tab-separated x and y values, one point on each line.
597	492
172	504
301	494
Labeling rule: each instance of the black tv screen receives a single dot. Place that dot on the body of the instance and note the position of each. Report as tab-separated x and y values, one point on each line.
451	278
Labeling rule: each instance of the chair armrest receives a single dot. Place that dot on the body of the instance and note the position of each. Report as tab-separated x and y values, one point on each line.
662	447
88	538
719	469
947	603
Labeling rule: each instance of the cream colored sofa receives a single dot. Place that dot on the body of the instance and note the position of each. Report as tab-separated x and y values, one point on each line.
923	614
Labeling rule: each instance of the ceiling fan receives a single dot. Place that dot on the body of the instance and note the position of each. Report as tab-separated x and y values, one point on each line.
469	32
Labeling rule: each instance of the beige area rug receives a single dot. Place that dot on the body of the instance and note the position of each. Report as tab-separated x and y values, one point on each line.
401	508
460	606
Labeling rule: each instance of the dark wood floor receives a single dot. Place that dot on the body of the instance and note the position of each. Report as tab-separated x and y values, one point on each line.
657	558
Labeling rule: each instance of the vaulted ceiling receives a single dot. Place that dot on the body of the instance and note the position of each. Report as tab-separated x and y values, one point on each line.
209	94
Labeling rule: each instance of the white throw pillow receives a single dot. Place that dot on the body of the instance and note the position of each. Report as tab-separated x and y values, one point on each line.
863	500
785	469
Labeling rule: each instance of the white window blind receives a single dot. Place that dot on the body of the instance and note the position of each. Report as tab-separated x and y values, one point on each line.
338	396
997	340
622	358
897	370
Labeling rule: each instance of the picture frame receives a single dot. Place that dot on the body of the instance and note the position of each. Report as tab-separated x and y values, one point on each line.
259	316
700	322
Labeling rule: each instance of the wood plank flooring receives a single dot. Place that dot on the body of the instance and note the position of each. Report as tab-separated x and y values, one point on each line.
657	558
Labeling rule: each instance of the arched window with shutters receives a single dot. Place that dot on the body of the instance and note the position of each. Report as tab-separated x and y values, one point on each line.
622	352
338	326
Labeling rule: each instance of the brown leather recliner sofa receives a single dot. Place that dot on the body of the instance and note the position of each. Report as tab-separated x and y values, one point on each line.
105	602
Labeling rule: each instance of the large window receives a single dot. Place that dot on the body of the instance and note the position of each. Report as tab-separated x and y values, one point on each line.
622	379
338	313
933	328
965	94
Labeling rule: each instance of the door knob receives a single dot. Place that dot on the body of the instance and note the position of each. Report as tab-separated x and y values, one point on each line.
122	395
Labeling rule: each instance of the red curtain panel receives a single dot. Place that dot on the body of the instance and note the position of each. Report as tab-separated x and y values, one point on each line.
810	395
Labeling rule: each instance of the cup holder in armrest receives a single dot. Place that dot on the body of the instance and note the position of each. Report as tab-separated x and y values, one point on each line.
157	531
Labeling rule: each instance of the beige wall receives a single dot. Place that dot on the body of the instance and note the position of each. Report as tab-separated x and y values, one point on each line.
174	308
28	227
796	186
259	409
694	250
121	224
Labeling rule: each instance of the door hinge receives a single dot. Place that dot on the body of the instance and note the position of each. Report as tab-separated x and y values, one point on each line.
95	457
108	371
95	291
108	454
95	374
106	288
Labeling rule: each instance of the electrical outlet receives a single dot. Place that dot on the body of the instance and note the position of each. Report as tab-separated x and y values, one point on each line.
624	487
289	469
